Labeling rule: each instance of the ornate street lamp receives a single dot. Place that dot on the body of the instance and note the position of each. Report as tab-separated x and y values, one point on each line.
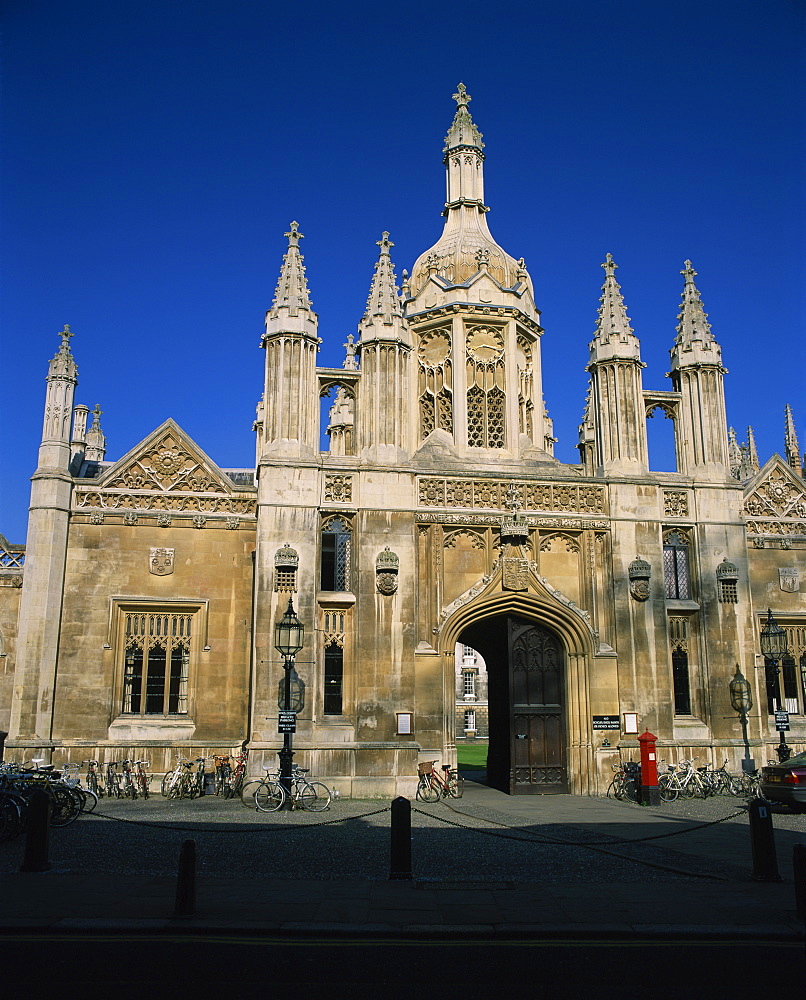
773	648
741	701
288	635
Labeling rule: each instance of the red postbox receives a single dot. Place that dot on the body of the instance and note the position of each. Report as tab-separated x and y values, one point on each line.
649	769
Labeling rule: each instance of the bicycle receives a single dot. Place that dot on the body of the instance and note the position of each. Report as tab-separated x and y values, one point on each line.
223	774
113	788
234	784
431	787
178	783
142	779
626	781
268	795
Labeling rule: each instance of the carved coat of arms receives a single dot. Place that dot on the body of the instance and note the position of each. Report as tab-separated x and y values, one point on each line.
514	573
789	580
161	562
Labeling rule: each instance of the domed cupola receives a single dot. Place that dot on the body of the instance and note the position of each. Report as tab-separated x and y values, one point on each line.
466	253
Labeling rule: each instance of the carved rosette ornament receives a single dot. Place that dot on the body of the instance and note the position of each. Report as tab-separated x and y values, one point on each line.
386	569
161	562
640	572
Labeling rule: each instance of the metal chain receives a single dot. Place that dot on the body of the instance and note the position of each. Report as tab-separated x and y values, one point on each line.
537	839
274	829
635	840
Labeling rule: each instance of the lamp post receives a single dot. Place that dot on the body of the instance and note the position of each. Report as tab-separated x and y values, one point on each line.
741	701
773	648
288	635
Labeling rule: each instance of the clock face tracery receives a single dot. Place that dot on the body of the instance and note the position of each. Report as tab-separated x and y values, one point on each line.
485	345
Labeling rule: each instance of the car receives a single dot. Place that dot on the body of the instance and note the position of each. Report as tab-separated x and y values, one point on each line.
785	782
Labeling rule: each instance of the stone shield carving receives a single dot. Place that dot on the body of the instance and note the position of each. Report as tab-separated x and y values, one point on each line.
161	562
640	573
789	580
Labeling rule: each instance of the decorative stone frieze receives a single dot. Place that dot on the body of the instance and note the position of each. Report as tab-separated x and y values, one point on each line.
115	500
489	494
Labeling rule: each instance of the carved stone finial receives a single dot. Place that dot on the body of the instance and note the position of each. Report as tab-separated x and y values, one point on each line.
609	264
688	271
66	334
461	96
294	236
384	243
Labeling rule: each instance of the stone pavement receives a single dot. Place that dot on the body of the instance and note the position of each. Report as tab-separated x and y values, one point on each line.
722	902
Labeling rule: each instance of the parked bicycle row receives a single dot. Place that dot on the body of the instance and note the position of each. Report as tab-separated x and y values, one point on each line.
684	780
18	784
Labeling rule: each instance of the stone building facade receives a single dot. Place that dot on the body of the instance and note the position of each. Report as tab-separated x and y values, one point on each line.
150	586
472	721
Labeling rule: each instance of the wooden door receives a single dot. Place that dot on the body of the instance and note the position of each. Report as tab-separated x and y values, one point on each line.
537	706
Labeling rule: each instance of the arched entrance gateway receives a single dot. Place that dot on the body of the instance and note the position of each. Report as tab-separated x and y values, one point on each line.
540	651
527	703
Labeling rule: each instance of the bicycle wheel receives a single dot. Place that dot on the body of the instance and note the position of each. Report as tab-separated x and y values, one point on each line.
614	788
315	796
248	790
456	786
64	806
90	799
667	789
269	796
427	792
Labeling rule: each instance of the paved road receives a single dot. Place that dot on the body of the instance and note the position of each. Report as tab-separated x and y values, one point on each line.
180	965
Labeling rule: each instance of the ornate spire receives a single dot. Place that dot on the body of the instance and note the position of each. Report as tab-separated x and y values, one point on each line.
734	454
693	329
463	131
292	287
791	446
613	331
383	300
96	442
62	364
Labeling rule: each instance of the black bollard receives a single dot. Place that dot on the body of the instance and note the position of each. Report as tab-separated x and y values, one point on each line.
37	833
799	870
400	867
185	905
762	842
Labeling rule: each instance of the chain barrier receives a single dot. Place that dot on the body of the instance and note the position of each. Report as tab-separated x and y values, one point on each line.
240	829
614	842
538	839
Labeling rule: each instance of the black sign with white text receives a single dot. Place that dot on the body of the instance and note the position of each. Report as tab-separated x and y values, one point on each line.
610	722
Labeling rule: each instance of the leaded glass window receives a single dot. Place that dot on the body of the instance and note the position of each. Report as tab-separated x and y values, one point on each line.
335	563
156	662
676	566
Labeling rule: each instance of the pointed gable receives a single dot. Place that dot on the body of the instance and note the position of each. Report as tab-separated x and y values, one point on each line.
167	471
775	501
167	460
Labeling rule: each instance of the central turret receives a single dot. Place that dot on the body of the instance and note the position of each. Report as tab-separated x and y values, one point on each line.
475	326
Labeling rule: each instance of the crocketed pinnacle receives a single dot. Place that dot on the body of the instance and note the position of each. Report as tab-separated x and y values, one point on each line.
613	337
383	300
463	131
692	320
752	450
96	442
791	446
292	288
62	364
734	454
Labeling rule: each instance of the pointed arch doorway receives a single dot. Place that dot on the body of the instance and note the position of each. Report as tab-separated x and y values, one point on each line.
527	703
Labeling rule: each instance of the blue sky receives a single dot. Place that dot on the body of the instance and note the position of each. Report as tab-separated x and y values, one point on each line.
154	153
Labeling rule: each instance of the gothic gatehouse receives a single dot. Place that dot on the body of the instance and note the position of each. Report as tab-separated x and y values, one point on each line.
604	598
